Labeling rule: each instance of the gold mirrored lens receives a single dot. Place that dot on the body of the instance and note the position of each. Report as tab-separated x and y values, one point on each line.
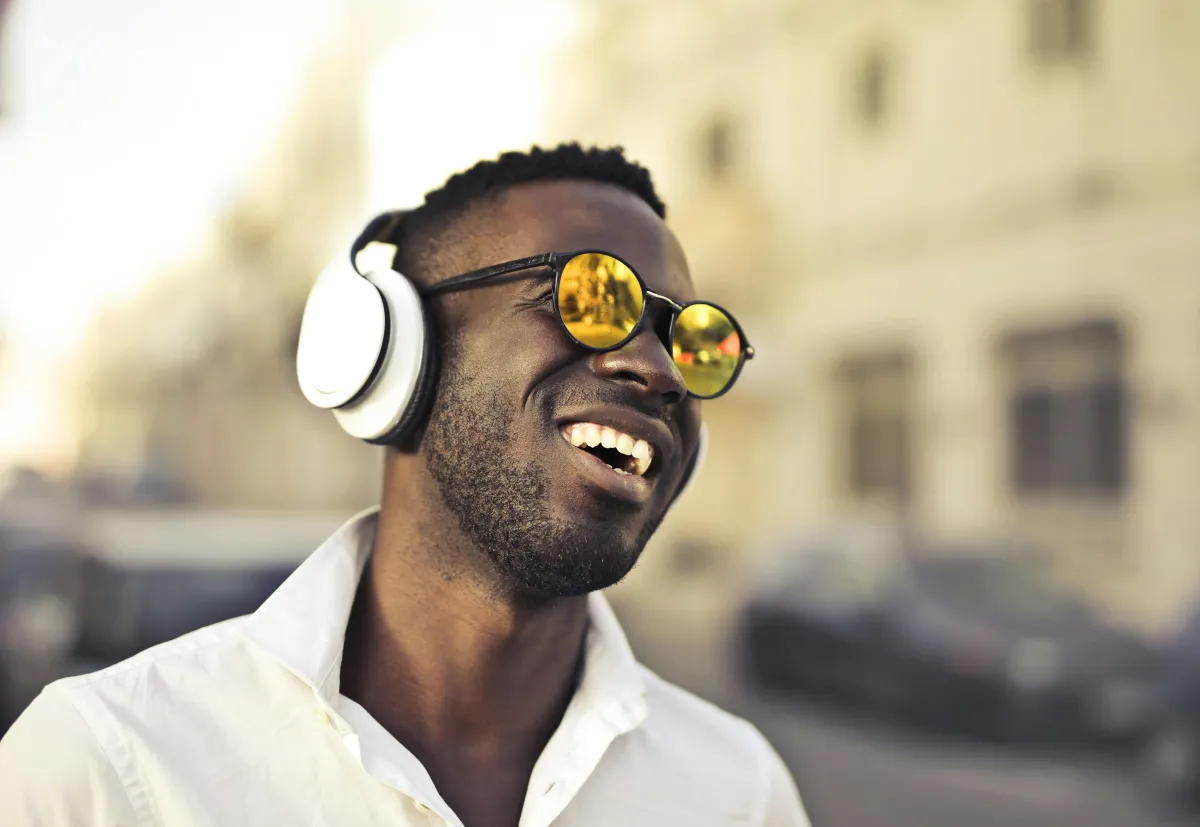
707	349
600	300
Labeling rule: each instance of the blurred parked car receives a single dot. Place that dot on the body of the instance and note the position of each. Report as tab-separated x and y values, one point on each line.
976	639
34	617
1170	767
141	578
812	617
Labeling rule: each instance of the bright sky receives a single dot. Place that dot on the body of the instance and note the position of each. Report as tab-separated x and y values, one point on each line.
470	89
129	122
132	122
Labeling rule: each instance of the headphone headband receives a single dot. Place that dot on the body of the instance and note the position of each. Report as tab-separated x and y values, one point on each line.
380	227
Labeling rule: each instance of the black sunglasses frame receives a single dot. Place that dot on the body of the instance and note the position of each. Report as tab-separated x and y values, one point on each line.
557	262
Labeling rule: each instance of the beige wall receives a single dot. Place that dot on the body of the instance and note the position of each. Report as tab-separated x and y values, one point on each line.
196	376
1139	264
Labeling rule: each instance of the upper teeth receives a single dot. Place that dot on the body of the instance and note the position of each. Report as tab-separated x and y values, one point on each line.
590	434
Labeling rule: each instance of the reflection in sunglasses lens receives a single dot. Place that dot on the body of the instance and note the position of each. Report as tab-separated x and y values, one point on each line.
707	349
599	300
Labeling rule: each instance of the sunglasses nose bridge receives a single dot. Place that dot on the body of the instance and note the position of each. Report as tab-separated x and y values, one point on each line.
659	317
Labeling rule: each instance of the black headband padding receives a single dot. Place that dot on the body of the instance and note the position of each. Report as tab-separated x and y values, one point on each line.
381	226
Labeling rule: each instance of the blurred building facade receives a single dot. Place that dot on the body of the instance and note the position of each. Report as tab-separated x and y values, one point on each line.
189	392
962	234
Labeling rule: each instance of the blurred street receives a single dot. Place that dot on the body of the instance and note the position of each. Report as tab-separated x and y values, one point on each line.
858	772
852	772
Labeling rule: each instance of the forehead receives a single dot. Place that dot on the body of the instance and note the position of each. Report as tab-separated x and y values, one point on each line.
562	216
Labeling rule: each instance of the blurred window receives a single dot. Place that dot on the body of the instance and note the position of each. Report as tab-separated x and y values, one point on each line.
872	93
718	147
876	396
1060	29
1068	410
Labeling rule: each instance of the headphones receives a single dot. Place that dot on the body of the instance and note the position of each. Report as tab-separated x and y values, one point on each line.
367	350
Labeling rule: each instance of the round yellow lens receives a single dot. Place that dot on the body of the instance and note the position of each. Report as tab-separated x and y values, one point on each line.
599	299
707	349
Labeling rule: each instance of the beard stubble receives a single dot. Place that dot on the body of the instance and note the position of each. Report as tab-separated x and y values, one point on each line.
499	499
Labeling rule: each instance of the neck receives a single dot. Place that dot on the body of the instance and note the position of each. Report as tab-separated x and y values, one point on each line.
437	653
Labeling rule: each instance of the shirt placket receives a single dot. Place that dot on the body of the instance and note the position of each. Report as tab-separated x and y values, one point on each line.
559	776
389	762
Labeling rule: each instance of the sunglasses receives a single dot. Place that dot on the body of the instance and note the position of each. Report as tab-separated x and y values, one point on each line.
601	302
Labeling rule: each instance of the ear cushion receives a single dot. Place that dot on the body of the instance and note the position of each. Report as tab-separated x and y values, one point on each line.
404	434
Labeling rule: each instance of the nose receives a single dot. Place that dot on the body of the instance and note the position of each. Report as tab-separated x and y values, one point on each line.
643	361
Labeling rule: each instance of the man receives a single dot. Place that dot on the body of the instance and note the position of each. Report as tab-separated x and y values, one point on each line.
447	659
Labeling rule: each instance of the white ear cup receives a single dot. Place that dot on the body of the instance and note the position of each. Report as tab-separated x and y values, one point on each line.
694	471
341	336
380	408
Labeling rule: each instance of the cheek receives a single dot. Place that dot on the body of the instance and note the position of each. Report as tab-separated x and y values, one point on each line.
535	346
516	351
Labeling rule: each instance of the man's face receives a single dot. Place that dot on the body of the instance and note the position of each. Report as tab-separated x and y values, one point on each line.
552	518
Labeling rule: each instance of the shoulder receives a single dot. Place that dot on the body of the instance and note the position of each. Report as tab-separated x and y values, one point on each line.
191	682
211	650
700	746
202	670
81	752
694	722
54	770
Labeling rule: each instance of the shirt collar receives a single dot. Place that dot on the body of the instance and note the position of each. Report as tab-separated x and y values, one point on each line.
303	626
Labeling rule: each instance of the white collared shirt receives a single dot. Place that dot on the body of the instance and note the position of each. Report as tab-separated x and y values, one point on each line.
242	723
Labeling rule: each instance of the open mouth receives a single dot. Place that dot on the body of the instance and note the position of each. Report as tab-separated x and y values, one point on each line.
623	453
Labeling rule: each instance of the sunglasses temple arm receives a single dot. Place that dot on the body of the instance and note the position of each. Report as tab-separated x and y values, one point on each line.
475	276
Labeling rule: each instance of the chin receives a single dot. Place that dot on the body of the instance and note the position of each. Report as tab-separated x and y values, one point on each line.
572	566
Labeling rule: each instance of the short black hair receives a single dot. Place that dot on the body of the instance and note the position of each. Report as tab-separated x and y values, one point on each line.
415	238
565	161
